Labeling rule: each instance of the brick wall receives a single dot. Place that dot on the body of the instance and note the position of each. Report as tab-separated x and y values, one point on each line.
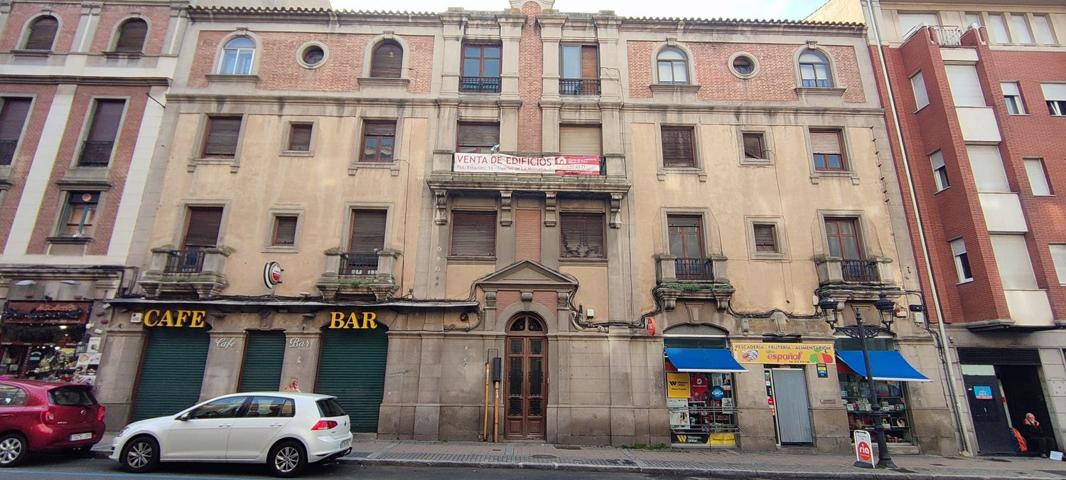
527	234
68	15
111	16
775	81
107	210
20	165
278	69
530	86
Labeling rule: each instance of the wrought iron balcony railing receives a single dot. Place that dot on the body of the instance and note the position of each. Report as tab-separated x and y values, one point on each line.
358	264
859	271
694	269
95	153
479	84
579	86
187	260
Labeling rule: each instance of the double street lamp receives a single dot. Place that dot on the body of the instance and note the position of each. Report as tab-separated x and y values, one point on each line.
885	309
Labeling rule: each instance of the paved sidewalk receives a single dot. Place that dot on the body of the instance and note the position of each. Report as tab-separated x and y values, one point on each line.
787	463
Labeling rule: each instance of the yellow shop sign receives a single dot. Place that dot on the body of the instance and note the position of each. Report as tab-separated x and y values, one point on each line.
174	318
784	353
353	320
677	385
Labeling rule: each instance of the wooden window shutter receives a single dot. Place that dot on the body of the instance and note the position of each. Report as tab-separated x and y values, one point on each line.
590	62
300	137
384	128
284	230
42	33
368	231
678	148
473	234
203	227
582	235
479	134
12	117
131	36
387	60
765	237
580	140
825	141
222	134
106	117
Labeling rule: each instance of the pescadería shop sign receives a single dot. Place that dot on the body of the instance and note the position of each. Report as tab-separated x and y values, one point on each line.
784	353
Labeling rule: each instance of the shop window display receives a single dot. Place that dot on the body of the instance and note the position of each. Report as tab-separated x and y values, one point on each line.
702	405
44	341
890	394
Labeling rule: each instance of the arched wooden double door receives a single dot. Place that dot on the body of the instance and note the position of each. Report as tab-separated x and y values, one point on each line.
526	379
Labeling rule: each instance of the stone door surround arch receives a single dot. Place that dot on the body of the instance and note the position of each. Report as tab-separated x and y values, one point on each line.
527	287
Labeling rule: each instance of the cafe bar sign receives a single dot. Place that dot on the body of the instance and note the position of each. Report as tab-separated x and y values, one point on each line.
157	318
544	165
784	353
352	321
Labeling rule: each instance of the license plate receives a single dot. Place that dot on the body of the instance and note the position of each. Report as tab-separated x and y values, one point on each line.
346	444
80	436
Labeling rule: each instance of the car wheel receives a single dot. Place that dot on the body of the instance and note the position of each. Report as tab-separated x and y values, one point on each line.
13	449
140	455
287	459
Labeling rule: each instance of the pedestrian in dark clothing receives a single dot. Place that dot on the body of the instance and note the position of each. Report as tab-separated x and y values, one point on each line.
1035	439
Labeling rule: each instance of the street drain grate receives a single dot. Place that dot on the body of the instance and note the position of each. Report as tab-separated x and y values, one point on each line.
1001	460
938	464
567	447
1060	473
904	470
543	456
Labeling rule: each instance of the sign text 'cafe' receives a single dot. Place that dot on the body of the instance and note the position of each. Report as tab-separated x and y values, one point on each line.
157	318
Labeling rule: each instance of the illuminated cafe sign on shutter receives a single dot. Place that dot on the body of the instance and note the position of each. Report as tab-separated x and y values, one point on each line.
174	318
547	165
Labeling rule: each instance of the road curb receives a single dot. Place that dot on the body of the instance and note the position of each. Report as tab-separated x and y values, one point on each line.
710	471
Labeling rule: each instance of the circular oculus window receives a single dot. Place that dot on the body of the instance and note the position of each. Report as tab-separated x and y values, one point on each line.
743	65
312	56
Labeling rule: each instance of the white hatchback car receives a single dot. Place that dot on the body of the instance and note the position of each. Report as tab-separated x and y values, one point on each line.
284	430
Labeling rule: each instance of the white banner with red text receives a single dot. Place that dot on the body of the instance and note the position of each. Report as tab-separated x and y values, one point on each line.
549	165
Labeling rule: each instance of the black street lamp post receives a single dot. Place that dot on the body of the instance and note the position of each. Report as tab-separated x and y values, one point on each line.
863	333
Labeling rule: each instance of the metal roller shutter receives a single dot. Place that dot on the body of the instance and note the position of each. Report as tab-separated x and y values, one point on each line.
999	356
352	368
264	353
172	372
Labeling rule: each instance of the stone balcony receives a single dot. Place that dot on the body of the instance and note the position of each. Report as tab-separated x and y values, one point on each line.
195	270
855	279
692	279
350	274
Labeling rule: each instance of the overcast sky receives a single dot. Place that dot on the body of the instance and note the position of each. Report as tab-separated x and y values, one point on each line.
777	9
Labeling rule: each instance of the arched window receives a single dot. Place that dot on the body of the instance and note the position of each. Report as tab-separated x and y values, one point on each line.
42	33
131	35
387	60
814	70
237	57
673	66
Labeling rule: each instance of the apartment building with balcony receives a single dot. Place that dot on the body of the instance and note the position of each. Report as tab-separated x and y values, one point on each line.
975	91
636	216
81	102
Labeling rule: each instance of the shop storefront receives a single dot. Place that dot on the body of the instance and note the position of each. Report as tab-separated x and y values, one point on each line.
48	341
352	366
264	353
700	393
173	361
890	373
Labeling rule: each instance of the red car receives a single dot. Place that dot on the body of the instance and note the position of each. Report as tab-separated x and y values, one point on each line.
44	416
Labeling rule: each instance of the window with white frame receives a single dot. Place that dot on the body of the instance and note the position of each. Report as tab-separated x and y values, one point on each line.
909	22
237	57
1058	256
940	171
673	66
1034	169
1012	96
997	28
1044	34
1055	96
814	70
973	19
962	260
921	96
1020	28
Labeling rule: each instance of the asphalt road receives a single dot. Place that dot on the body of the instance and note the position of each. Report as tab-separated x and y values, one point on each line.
65	468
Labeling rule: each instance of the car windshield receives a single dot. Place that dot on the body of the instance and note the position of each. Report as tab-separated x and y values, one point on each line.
71	397
219	408
329	407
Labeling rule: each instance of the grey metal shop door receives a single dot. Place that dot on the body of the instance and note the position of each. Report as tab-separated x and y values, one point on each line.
793	408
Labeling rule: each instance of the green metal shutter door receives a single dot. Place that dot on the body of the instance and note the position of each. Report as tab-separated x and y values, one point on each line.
352	368
263	356
172	371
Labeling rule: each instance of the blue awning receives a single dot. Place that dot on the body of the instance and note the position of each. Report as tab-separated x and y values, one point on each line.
710	360
887	365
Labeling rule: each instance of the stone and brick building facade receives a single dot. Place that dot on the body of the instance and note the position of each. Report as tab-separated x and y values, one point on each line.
636	216
974	93
82	87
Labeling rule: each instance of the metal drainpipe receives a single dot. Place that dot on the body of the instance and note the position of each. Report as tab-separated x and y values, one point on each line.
955	407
